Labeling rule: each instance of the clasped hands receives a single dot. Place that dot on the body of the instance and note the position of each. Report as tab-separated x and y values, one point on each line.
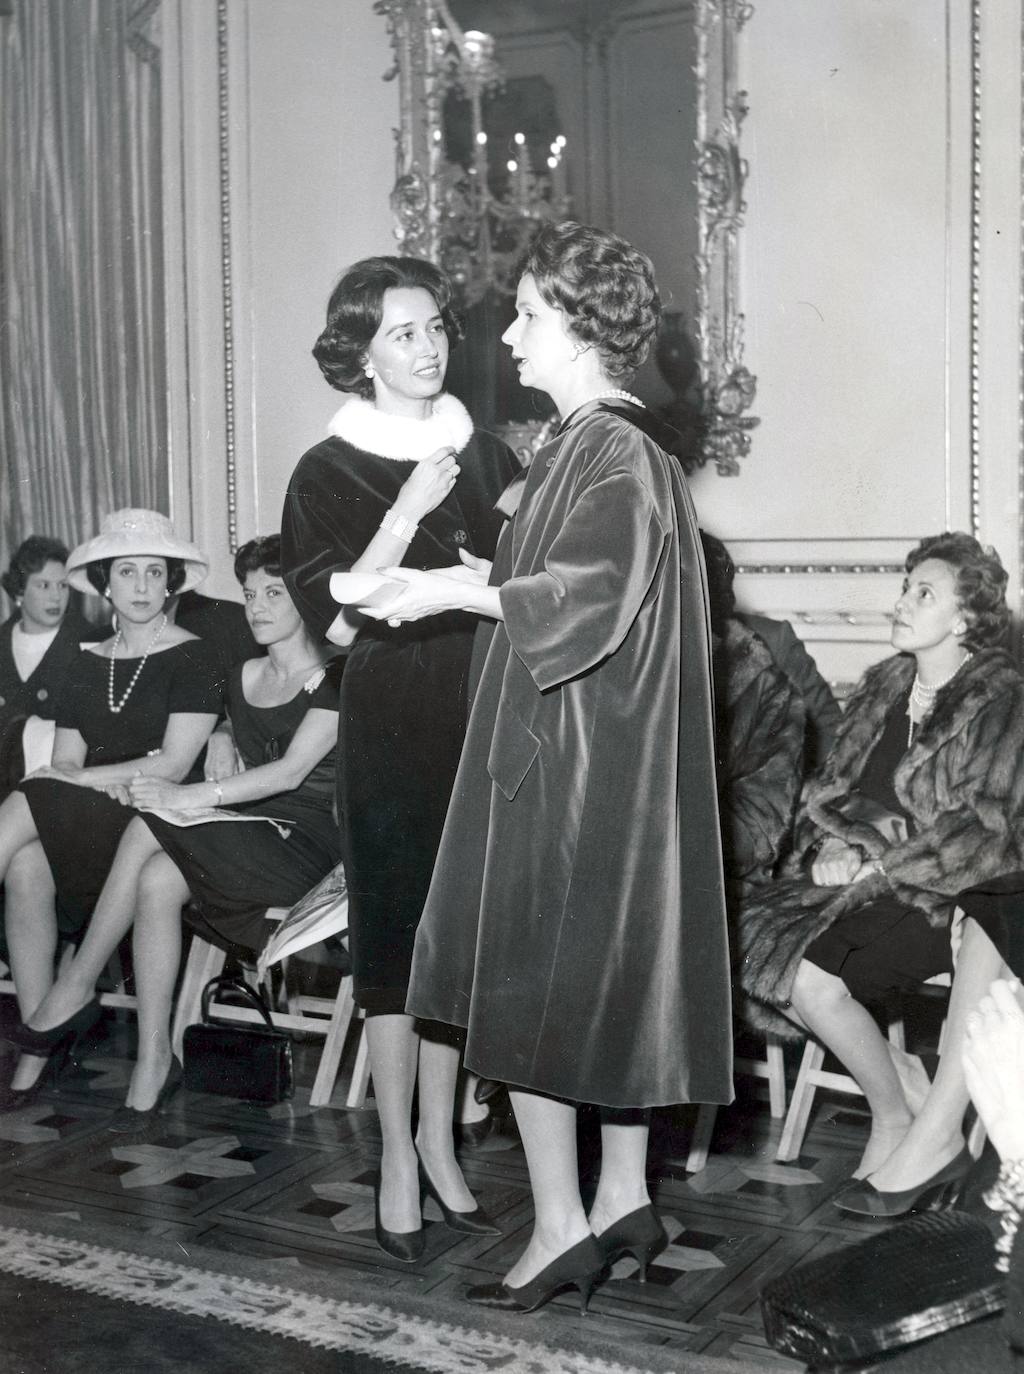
429	593
838	864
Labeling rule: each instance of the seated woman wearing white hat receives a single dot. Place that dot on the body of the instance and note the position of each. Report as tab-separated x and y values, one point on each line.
141	702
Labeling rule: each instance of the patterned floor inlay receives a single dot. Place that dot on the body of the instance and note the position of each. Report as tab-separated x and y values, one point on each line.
292	1187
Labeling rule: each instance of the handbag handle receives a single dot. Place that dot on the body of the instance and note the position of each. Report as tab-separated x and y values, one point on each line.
228	983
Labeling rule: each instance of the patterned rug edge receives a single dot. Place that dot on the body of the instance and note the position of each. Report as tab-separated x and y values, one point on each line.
205	1287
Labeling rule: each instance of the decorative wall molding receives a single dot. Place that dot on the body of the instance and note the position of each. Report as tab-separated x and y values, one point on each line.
227	283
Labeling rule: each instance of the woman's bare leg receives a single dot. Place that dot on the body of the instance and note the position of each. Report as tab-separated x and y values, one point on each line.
31	921
936	1136
156	955
622	1186
824	1005
469	1109
438	1076
548	1132
17	828
111	920
394	1053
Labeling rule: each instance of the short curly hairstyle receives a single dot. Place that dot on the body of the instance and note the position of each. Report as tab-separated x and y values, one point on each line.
604	287
262	552
980	584
355	310
31	556
98	573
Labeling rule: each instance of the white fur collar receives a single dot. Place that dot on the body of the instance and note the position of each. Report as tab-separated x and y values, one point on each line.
360	423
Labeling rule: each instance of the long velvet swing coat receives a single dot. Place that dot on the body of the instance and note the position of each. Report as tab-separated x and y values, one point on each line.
962	784
575	923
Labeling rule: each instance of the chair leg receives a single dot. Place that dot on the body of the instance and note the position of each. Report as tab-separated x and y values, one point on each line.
334	1044
776	1077
204	962
700	1142
360	1073
800	1104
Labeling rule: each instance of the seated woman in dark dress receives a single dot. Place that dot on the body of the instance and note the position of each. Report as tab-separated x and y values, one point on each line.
142	702
921	797
235	863
37	645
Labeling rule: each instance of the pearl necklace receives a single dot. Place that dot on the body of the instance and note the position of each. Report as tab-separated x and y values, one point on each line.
923	698
118	707
616	394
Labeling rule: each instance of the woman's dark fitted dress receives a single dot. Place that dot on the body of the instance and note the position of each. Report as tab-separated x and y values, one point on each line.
236	870
80	827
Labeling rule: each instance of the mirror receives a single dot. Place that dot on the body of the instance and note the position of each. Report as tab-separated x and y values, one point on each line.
622	113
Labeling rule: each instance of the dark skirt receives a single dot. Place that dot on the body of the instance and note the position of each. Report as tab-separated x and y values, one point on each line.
882	948
80	829
998	907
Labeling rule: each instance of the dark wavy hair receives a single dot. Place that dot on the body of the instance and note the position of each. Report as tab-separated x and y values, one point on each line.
31	556
355	310
721	574
262	552
98	572
603	285
980	584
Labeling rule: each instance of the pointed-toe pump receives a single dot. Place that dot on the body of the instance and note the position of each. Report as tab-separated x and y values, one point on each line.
407	1246
57	1059
474	1223
129	1120
639	1234
472	1134
579	1267
861	1198
44	1042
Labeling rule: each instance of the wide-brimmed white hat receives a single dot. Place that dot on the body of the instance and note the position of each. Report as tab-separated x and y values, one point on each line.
133	534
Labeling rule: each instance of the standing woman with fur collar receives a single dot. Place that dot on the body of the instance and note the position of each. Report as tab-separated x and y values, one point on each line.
920	798
403	478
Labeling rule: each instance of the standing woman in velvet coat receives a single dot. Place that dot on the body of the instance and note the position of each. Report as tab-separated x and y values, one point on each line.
402	478
576	924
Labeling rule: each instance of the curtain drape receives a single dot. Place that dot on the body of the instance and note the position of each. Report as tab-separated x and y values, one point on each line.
82	354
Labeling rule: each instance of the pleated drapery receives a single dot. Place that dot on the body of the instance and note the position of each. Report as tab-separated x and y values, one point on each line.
82	353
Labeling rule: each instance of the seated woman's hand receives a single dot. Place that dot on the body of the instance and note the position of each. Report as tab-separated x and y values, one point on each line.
158	793
993	1059
836	865
221	759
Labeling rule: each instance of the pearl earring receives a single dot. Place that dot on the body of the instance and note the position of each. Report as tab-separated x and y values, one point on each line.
369	372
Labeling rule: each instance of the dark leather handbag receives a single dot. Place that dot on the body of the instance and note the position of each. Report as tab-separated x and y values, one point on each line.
252	1062
916	1279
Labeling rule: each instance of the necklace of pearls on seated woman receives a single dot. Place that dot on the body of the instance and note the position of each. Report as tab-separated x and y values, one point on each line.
922	698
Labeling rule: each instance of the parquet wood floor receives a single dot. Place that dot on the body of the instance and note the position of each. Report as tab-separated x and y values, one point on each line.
293	1186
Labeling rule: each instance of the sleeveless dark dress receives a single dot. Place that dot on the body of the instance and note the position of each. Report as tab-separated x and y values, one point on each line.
886	946
235	870
79	827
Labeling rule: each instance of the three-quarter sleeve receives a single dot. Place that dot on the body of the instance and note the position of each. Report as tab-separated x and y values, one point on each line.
577	611
316	541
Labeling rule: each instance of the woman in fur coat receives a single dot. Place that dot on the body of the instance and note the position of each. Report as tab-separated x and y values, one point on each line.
921	797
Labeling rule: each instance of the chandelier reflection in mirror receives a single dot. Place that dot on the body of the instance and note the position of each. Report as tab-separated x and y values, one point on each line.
477	175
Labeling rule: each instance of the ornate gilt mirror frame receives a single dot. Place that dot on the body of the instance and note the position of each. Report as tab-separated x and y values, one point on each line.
427	61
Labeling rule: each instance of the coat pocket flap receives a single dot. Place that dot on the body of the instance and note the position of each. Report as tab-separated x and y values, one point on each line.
513	749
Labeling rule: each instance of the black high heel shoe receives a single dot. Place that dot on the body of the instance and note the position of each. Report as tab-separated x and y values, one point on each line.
407	1246
44	1042
474	1223
57	1059
639	1234
936	1194
128	1120
579	1267
471	1134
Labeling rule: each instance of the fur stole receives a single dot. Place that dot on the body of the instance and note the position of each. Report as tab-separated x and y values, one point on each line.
401	437
962	784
